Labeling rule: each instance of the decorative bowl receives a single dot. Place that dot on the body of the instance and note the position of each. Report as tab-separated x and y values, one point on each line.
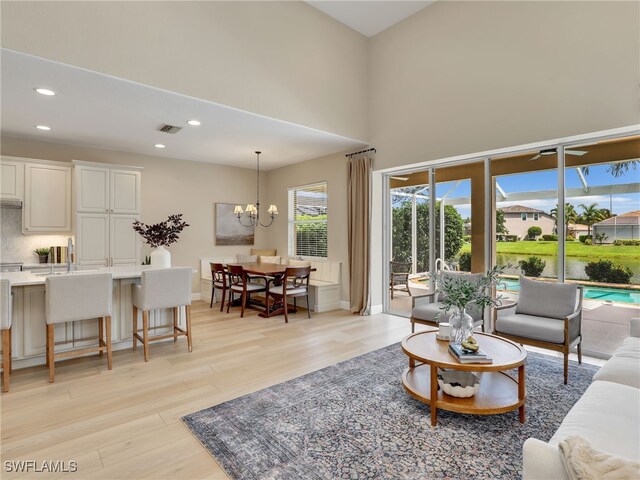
458	383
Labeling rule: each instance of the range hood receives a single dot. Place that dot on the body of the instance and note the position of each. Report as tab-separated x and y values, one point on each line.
9	203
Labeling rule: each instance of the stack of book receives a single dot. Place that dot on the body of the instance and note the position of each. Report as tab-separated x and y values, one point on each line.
467	356
59	254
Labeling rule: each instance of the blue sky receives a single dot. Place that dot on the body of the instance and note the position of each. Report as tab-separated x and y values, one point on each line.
548	180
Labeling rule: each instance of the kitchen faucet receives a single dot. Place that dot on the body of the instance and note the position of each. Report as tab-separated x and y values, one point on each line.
69	253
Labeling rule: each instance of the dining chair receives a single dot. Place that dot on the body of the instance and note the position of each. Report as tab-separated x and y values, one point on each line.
219	281
294	284
69	298
160	289
5	328
239	282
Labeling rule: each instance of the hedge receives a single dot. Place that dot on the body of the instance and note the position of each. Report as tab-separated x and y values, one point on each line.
550	238
582	238
630	243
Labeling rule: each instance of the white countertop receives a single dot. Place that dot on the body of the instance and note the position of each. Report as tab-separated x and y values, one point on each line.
23	279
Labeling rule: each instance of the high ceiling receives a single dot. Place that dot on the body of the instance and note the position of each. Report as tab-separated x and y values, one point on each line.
97	110
369	17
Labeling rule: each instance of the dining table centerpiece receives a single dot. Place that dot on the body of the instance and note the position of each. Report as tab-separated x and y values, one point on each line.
161	235
460	292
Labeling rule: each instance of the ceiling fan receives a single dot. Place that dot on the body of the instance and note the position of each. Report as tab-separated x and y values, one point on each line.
552	151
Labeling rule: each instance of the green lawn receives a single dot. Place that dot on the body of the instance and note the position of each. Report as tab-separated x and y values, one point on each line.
574	249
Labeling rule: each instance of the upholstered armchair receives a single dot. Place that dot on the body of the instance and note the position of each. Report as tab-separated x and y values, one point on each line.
427	308
547	315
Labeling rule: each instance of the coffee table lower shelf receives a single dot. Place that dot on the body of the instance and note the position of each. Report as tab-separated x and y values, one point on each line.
498	393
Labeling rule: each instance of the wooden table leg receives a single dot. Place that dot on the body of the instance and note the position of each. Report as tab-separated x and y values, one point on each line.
434	395
521	391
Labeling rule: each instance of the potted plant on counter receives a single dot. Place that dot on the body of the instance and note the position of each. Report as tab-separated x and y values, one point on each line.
43	254
161	235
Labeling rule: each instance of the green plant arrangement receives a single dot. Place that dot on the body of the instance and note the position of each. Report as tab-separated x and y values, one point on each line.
532	266
460	292
43	254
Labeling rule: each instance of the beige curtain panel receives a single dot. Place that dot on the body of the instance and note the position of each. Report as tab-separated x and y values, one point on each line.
359	233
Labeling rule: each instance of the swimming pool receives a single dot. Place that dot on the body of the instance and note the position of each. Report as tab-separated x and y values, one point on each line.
604	294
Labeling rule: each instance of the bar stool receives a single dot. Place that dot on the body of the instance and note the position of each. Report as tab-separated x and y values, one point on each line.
5	327
69	298
219	281
162	288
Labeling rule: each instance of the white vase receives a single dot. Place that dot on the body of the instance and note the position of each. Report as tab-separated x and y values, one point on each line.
160	257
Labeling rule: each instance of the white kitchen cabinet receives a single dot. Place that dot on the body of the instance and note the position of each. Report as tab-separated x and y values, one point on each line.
35	324
106	240
92	189
92	239
124	242
125	191
11	179
104	189
47	199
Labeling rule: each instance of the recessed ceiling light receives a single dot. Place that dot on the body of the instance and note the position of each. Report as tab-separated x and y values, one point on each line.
193	123
43	127
159	145
45	91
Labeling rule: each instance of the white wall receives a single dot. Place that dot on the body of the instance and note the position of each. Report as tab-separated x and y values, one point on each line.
168	186
285	60
469	76
333	170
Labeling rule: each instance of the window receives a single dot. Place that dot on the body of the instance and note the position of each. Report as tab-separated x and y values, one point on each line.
308	220
523	217
536	217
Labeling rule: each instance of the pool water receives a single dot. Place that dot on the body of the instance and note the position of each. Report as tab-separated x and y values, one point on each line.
604	294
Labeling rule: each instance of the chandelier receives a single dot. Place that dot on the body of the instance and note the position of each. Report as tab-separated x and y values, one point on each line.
253	211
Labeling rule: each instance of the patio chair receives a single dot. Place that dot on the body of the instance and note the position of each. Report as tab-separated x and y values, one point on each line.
427	307
399	275
547	315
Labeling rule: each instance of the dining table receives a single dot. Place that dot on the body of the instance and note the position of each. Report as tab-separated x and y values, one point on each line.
267	270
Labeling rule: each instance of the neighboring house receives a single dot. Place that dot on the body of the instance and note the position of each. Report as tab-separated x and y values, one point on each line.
518	219
621	227
578	229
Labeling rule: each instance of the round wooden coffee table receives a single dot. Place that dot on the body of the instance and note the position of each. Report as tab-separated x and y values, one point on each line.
498	392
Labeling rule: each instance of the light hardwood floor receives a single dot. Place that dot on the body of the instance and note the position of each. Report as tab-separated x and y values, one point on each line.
125	423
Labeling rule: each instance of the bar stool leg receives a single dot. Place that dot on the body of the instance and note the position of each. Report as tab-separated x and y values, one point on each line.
100	336
145	334
50	352
188	315
135	328
107	321
175	324
6	359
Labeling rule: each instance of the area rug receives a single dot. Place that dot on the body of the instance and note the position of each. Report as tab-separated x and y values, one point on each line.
354	420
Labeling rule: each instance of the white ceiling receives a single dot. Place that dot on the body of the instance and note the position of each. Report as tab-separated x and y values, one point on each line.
369	17
97	110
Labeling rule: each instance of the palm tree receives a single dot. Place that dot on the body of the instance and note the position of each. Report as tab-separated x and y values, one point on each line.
570	215
590	215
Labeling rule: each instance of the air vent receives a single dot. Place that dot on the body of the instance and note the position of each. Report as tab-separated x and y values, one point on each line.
170	129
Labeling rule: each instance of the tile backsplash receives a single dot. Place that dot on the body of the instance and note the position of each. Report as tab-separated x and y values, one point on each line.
16	247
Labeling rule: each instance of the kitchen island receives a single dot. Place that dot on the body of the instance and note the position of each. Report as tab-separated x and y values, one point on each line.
28	332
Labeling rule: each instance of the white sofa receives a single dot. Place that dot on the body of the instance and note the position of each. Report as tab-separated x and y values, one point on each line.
607	415
324	282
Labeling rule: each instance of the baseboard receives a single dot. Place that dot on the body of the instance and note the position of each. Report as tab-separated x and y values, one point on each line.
345	305
196	296
375	309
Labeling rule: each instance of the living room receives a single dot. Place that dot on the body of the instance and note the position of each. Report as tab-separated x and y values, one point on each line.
440	82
